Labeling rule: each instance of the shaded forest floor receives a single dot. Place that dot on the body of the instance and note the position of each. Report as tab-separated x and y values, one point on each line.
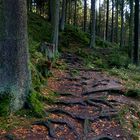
88	104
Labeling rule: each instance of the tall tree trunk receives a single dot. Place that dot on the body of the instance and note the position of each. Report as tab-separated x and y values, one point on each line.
66	12
107	19
131	28
14	71
116	21
122	24
29	5
75	12
93	23
50	10
69	11
112	24
62	20
99	26
136	33
104	19
96	25
85	15
55	23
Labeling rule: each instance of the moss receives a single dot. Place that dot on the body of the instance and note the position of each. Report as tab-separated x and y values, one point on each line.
39	28
35	104
5	99
76	34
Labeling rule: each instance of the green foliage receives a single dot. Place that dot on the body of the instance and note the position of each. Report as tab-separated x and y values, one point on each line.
35	104
76	34
39	28
131	121
5	99
74	72
131	77
64	40
105	44
118	59
133	93
50	98
37	65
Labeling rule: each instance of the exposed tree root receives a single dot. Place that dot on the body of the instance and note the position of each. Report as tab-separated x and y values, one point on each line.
48	125
74	116
86	128
108	114
103	138
70	102
93	104
94	83
102	101
73	84
57	121
110	89
67	94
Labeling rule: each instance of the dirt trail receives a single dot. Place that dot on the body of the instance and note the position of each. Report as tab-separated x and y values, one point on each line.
87	107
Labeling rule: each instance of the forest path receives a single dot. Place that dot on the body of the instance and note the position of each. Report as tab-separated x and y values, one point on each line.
88	106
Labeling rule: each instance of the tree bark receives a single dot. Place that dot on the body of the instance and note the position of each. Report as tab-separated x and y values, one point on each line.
107	19
131	28
85	15
50	10
112	24
122	24
75	12
55	23
93	23
116	22
69	11
100	16
62	20
136	33
14	71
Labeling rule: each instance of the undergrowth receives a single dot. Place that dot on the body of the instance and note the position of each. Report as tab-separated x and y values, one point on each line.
129	117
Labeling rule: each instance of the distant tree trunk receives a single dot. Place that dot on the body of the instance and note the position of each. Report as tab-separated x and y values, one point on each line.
14	71
93	23
29	5
55	23
50	10
122	24
116	22
69	12
131	28
62	20
104	19
107	19
99	26
85	15
75	12
66	12
96	25
112	24
136	33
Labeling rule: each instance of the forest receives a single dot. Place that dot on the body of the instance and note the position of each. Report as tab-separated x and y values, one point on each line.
69	70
